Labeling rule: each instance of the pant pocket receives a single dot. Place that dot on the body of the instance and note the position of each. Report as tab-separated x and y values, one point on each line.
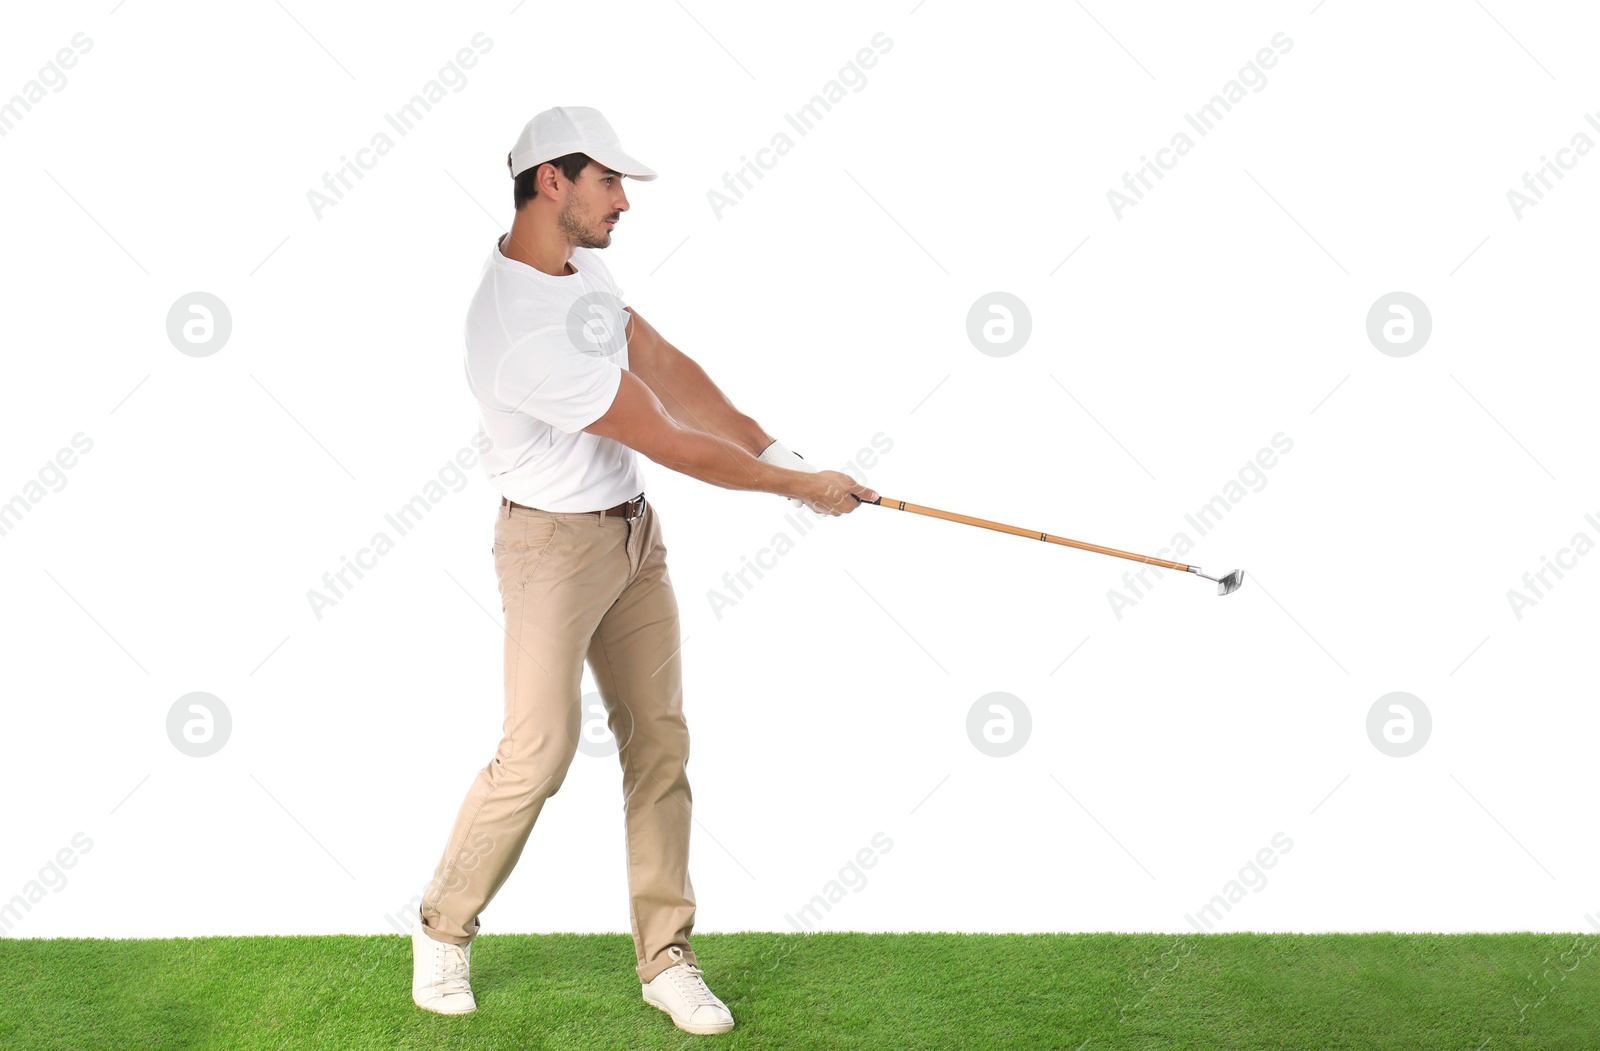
519	545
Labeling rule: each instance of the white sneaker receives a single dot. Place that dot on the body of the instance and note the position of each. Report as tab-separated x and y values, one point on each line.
681	992
439	972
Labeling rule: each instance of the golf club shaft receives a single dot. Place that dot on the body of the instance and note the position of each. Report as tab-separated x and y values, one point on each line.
901	505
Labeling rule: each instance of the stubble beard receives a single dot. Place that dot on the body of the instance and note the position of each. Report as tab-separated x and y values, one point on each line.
571	223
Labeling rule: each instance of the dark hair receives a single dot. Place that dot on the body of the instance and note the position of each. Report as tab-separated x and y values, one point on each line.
527	188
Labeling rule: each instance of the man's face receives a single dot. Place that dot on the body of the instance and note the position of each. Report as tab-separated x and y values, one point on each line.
595	201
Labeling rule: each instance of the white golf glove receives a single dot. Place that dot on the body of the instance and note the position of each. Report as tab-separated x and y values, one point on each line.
780	455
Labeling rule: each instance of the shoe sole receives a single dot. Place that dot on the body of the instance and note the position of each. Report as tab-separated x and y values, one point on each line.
708	1029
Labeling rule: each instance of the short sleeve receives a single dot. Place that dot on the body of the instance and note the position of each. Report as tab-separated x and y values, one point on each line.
550	380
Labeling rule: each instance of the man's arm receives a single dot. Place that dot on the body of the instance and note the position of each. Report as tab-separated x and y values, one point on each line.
685	389
638	420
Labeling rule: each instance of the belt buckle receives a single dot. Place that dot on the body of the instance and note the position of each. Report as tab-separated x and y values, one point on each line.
632	514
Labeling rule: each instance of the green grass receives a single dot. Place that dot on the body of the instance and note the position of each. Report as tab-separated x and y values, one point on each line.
1364	992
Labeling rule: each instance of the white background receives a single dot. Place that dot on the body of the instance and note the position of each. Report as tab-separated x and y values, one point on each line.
1169	744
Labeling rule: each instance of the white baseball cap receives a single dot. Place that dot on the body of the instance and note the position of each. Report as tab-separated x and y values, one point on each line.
572	129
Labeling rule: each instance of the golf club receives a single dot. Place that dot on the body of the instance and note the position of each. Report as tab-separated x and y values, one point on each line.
1226	584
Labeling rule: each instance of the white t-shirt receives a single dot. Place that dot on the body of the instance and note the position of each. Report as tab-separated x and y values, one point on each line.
544	358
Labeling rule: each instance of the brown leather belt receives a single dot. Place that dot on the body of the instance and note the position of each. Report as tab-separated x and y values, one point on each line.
631	510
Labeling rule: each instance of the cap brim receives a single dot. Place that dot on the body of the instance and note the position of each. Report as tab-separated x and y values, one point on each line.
625	164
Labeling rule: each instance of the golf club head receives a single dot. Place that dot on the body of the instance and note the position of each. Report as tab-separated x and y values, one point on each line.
1230	583
1226	585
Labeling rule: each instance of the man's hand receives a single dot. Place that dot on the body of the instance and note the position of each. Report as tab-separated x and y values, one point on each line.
831	492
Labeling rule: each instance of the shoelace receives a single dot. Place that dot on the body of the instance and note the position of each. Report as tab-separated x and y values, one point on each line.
687	977
450	973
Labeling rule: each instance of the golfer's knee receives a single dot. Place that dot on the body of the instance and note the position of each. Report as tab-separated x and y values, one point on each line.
539	773
664	751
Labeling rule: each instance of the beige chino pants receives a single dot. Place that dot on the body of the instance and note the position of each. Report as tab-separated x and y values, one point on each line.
575	587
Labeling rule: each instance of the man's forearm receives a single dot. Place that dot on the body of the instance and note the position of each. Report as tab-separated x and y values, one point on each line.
691	397
726	463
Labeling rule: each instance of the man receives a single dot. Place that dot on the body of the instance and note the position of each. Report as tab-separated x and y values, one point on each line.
568	396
